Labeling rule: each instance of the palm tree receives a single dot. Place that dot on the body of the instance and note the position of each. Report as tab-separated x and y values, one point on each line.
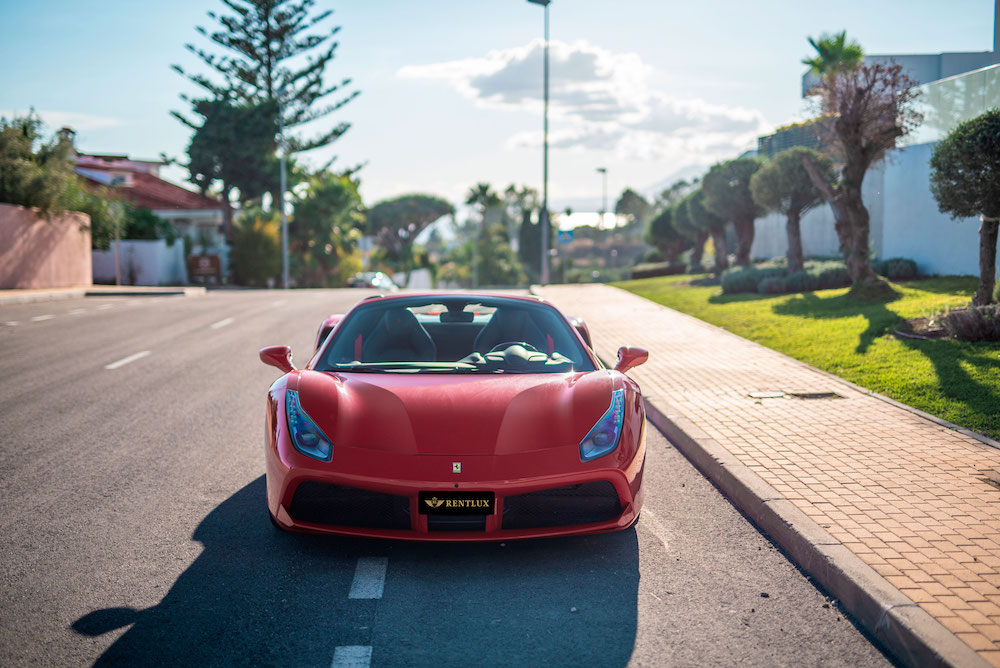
834	52
481	194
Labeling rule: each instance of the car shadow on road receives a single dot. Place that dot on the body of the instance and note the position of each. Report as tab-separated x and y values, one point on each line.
257	595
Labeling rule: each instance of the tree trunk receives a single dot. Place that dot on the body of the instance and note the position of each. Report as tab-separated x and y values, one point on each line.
744	240
697	252
719	242
987	259
853	233
794	241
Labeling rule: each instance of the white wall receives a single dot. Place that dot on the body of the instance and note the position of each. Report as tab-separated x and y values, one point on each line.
142	263
915	229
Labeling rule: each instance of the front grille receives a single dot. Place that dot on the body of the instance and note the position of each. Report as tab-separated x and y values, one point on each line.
456	522
321	503
562	506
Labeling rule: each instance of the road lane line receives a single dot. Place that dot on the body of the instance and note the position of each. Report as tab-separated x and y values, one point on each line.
278	302
126	360
352	656
11	323
369	577
222	323
78	311
104	307
39	318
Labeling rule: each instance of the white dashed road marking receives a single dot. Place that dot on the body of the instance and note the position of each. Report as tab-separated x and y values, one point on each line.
78	311
352	656
39	318
278	302
11	323
369	577
126	360
104	307
222	323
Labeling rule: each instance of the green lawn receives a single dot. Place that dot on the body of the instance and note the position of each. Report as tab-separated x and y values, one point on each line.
957	381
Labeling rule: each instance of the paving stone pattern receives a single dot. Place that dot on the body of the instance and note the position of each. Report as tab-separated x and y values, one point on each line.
909	497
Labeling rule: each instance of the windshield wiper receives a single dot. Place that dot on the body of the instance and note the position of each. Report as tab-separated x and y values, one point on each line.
410	367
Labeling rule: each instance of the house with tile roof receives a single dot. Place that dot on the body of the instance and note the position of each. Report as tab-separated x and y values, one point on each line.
138	182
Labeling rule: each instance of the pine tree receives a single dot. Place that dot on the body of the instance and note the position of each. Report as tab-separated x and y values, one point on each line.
275	51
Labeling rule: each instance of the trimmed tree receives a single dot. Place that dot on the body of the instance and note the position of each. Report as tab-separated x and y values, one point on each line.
396	222
696	235
965	180
701	217
726	190
665	237
784	185
871	108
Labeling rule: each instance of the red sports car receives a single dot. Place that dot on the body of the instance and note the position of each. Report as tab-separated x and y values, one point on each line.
454	417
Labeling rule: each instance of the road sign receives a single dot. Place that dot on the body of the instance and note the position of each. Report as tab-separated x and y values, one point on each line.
565	236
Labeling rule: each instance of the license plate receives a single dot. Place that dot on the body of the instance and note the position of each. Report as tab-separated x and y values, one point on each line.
456	503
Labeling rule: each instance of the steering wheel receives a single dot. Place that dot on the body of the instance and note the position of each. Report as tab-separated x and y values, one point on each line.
507	344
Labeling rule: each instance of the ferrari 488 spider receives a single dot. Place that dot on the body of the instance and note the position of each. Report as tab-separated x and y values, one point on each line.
454	417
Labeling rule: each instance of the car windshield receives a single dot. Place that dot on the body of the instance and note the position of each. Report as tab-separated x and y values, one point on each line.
454	334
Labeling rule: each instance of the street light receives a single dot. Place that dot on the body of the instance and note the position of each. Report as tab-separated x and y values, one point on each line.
604	196
545	151
284	187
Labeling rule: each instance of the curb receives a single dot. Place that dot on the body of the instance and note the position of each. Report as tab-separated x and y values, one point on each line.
113	291
48	295
31	296
910	633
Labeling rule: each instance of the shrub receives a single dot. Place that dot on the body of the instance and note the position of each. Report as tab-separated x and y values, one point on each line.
976	323
747	279
896	268
773	285
256	249
800	281
830	275
650	270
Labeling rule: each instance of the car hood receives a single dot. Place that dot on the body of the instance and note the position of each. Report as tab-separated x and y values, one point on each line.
454	414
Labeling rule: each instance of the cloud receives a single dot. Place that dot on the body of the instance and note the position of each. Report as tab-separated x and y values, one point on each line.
599	100
60	119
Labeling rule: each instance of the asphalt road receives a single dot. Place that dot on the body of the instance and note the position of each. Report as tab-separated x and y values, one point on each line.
135	529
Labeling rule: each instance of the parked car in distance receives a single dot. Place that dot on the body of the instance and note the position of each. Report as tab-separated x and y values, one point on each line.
372	279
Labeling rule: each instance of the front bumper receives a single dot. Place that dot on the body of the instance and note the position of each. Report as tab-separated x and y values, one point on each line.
558	496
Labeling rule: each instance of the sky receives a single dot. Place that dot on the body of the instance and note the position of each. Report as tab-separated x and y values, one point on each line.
450	91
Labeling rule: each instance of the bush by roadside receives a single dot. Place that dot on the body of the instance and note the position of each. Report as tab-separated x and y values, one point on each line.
976	323
653	269
773	277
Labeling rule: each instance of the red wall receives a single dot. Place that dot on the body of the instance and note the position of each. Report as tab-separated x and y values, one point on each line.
36	252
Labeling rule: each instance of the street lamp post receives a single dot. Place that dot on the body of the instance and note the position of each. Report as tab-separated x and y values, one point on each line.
284	187
604	194
545	150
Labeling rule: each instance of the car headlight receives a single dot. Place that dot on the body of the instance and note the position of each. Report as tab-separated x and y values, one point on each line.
604	436
306	436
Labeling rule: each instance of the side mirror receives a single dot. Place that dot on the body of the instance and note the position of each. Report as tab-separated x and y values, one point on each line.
277	356
581	327
630	357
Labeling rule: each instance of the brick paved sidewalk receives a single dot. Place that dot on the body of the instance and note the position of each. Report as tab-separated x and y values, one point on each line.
908	496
